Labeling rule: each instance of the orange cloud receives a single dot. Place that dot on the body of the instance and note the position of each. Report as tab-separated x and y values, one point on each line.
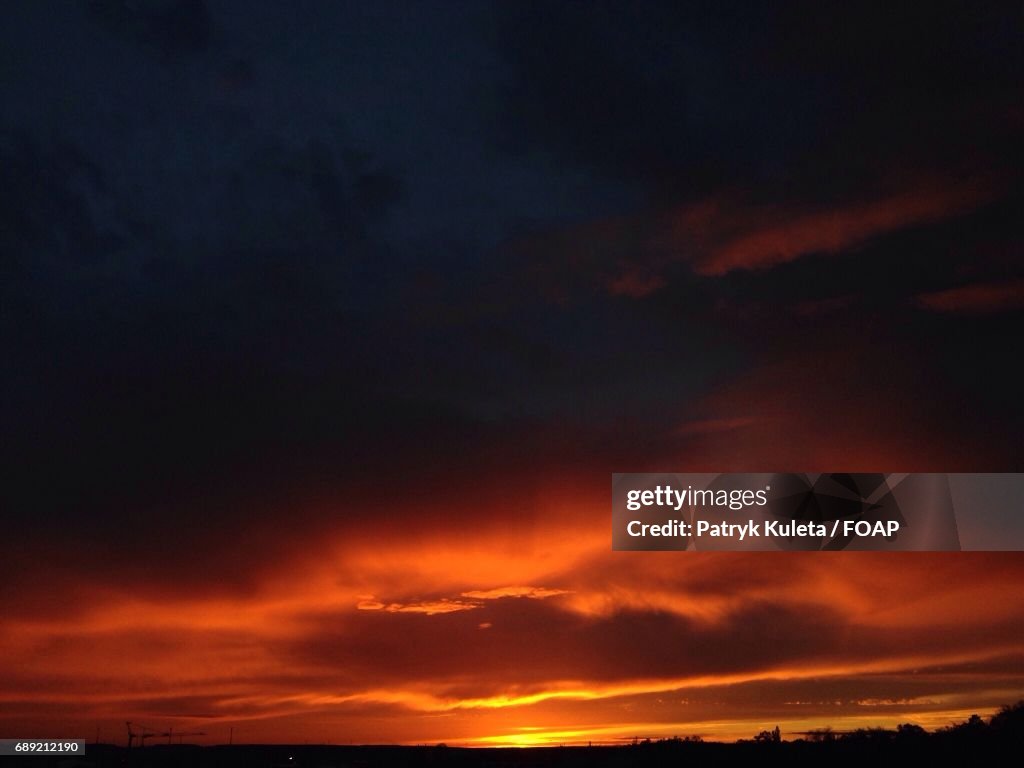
366	632
428	607
626	631
977	298
448	605
534	593
759	239
631	256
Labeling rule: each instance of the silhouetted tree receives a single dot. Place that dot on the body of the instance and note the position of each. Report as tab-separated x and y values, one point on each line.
910	731
869	734
1009	719
821	735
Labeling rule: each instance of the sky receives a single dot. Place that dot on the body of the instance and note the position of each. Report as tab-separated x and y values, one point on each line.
325	325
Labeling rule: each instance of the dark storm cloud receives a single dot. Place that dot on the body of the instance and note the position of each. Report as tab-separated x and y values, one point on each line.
672	646
172	26
246	298
148	350
209	255
768	99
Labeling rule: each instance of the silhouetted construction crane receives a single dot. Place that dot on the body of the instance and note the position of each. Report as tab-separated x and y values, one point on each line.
144	733
180	734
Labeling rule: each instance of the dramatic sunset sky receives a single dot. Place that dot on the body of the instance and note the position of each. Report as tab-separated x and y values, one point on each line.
324	326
